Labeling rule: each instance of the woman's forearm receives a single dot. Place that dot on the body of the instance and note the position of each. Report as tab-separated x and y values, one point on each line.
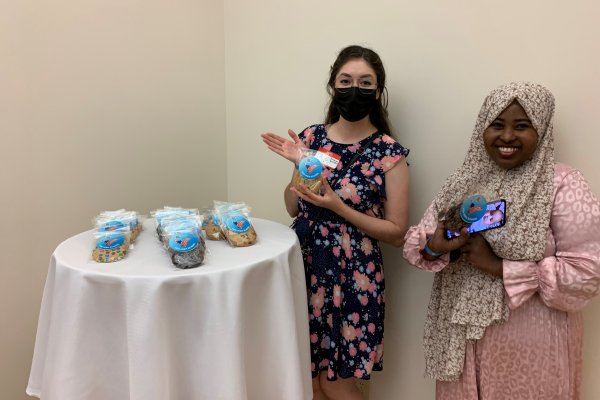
291	201
381	229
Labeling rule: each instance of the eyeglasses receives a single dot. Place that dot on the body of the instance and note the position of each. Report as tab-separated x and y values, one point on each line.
364	85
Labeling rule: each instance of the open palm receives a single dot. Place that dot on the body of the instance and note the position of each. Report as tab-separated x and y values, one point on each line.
288	149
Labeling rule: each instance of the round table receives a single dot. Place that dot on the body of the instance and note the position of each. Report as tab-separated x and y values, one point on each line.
140	329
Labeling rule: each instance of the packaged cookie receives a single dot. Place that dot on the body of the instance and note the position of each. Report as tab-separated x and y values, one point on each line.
308	170
107	219
464	213
235	223
169	212
112	242
451	218
182	238
176	221
211	225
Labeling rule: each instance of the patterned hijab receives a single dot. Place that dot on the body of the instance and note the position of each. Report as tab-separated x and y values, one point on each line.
465	300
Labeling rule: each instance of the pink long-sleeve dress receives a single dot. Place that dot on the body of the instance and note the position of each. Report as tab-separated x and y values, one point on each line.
537	353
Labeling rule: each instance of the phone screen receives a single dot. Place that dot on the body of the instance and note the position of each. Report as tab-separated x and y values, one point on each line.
494	217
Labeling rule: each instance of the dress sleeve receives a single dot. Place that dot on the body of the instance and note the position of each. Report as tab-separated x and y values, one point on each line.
310	129
388	152
415	241
568	277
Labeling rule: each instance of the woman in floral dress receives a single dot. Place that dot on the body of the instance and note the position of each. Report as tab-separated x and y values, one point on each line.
364	200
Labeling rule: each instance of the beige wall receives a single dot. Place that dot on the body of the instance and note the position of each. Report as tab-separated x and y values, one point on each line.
442	58
170	97
103	104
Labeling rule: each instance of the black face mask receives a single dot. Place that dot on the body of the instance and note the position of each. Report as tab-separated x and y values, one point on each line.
354	104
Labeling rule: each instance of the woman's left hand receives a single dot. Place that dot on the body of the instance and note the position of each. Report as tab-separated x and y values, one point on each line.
327	199
480	255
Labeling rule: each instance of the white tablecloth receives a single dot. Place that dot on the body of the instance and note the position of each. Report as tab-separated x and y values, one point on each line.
139	329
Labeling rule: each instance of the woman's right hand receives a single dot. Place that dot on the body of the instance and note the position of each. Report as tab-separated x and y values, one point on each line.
439	244
286	148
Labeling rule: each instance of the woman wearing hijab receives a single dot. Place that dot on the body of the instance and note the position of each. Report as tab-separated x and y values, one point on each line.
504	319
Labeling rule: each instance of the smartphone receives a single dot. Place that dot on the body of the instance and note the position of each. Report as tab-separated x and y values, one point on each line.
494	217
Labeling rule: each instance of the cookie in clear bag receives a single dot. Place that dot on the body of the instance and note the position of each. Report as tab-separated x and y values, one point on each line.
186	249
110	246
239	232
308	171
466	212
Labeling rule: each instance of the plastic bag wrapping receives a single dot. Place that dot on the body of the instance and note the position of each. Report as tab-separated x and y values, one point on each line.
308	171
468	210
235	223
169	212
112	243
211	225
180	231
107	219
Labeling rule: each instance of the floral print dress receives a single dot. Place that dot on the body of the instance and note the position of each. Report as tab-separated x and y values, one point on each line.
344	269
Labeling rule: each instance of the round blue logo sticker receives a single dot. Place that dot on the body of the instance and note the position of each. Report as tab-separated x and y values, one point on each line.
182	242
109	242
310	167
473	208
237	223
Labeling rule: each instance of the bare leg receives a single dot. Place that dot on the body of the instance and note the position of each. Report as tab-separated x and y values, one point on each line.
318	393
341	389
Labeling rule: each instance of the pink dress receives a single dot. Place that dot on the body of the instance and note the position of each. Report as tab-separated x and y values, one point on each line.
537	353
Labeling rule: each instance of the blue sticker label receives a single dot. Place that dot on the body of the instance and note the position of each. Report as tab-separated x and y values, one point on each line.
182	242
237	223
473	208
111	226
109	242
310	167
